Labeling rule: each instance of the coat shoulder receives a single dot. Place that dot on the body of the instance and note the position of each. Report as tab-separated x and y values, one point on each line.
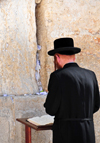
88	71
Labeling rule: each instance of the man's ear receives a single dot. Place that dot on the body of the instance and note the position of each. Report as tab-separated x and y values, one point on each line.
74	58
57	58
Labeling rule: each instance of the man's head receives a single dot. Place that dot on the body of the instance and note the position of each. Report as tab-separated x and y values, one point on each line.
64	51
60	60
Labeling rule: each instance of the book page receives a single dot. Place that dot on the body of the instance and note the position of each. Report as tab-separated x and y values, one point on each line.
43	120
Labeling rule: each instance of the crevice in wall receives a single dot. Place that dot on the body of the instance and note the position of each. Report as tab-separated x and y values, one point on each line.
38	64
37	69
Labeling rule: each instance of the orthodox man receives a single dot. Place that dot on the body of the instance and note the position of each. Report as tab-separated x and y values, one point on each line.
73	96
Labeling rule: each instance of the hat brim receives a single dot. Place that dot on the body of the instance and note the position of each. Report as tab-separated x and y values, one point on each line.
65	51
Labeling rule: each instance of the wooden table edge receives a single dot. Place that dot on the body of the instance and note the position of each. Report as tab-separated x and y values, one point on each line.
38	128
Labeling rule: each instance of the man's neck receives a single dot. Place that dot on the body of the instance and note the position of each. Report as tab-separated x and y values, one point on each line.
71	61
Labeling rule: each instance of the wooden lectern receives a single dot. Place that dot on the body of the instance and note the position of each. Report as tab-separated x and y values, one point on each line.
28	127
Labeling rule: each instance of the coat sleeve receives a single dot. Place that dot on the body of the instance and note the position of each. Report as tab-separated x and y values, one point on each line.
96	96
53	99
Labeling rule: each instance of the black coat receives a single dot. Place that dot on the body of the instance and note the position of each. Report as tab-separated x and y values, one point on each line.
73	97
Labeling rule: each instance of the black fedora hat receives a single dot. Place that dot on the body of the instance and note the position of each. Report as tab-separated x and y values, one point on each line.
64	46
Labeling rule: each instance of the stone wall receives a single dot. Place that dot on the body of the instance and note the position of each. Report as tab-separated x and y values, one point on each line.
18	47
77	19
20	33
12	107
21	29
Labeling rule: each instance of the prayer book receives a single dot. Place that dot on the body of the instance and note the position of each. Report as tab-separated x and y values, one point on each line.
44	120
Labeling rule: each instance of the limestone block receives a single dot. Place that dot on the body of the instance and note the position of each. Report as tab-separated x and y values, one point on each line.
7	120
11	131
4	130
42	136
29	106
77	19
18	47
97	126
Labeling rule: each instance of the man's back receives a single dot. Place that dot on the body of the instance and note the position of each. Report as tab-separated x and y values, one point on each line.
73	98
79	92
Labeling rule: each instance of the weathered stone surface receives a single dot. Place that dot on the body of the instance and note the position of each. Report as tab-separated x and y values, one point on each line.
21	107
4	130
55	18
18	47
97	126
7	123
77	19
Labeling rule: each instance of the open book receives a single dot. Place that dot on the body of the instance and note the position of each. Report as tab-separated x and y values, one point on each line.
41	121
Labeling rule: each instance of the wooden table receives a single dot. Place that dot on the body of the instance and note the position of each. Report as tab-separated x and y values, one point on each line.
28	127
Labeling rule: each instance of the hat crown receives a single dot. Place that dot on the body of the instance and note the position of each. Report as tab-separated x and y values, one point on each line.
64	46
63	42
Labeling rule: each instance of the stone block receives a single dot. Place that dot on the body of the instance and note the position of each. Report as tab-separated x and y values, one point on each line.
18	47
4	130
22	107
77	19
97	126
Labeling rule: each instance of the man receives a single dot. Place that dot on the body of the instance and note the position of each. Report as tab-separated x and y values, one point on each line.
73	96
